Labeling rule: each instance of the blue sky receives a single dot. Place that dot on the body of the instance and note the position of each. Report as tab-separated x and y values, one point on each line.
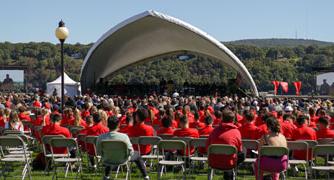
35	20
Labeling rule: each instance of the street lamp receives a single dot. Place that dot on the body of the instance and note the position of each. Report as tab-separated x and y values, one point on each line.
62	33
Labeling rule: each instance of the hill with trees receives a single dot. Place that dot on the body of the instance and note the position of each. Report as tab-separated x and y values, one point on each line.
280	42
289	62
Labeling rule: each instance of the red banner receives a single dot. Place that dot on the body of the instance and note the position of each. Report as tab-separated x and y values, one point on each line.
298	86
285	86
276	84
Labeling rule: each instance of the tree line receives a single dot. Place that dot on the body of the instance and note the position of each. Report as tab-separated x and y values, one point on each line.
264	64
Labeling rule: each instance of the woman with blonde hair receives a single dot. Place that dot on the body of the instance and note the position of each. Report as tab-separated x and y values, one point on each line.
14	122
77	118
104	118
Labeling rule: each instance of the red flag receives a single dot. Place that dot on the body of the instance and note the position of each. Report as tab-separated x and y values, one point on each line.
298	86
285	86
276	84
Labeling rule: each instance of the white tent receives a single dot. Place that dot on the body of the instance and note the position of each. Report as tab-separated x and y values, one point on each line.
71	87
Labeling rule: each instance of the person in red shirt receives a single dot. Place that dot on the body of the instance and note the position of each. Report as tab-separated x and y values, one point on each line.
124	128
226	133
55	129
248	130
96	130
166	128
218	118
68	118
197	123
141	129
185	131
207	129
23	114
313	117
303	132
287	126
190	116
2	118
324	131
89	123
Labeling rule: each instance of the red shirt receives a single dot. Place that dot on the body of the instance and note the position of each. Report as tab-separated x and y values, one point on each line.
125	129
164	130
37	104
226	133
325	133
249	131
141	130
187	132
287	129
206	131
24	117
302	132
56	129
39	120
216	121
314	118
263	129
197	125
95	130
2	122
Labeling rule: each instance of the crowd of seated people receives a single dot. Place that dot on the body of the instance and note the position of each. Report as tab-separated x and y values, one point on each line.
223	120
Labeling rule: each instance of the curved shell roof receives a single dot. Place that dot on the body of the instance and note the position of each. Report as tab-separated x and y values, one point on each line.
148	35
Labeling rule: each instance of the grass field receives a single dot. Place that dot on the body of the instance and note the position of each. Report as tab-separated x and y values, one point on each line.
199	174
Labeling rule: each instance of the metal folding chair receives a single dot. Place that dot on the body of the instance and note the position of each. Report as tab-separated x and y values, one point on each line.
47	150
24	158
115	153
272	151
326	150
221	149
70	145
299	145
167	145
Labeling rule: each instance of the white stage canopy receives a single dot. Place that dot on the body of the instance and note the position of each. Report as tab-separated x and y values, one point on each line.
72	88
148	35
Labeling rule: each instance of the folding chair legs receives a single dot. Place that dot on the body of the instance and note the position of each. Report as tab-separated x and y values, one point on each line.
160	171
210	174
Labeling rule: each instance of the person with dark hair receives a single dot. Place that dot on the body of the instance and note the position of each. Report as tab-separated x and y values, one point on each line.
124	128
95	130
226	133
273	138
197	124
303	132
166	128
218	118
141	129
55	129
263	129
324	131
313	116
113	123
185	131
287	126
207	129
248	130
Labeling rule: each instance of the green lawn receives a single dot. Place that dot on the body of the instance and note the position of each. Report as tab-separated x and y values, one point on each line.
91	175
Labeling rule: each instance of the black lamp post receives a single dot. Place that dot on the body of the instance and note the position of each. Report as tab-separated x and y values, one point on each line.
62	33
